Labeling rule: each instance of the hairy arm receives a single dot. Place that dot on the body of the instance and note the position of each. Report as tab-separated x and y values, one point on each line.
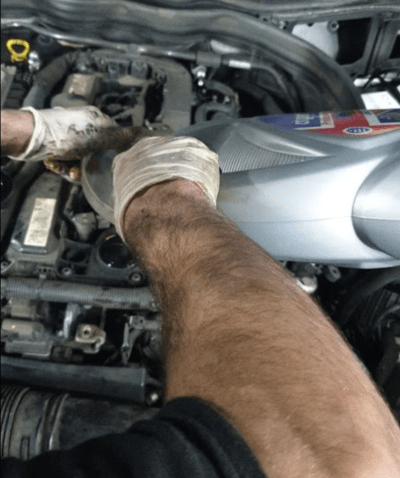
16	131
239	334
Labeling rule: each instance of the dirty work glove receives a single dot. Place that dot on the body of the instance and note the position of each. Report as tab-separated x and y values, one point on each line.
58	130
157	159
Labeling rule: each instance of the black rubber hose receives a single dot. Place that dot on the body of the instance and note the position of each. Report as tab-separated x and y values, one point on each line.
389	359
370	283
264	96
48	77
228	110
281	82
21	182
125	383
225	90
59	291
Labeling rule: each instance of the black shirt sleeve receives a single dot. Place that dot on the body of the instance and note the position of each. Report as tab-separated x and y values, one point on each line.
187	439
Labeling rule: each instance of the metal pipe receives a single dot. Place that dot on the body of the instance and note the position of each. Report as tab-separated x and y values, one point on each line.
297	57
65	292
134	48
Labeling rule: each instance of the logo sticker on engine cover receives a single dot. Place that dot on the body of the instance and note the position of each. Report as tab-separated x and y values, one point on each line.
383	117
306	121
347	123
40	222
357	130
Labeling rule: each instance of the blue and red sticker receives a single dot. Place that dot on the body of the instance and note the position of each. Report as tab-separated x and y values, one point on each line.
347	123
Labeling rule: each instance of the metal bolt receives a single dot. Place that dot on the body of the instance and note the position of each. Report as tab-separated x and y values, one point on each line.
308	284
333	26
4	265
67	271
135	277
34	62
200	71
152	398
332	273
86	330
154	305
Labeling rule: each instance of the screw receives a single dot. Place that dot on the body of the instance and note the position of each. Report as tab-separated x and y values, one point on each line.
332	273
135	277
153	305
152	398
333	26
308	284
86	330
67	271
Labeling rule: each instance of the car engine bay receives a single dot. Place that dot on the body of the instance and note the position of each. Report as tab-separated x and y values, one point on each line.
80	329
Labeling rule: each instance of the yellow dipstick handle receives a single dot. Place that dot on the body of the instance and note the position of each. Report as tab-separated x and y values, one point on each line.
15	56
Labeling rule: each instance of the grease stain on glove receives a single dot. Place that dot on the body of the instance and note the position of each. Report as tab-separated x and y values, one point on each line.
59	130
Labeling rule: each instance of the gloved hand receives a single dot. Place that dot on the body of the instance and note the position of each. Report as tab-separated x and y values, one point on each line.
58	130
153	160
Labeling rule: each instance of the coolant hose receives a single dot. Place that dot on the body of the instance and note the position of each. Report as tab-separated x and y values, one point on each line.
98	296
225	110
124	383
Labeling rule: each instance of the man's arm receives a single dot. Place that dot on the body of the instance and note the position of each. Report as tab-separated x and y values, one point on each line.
239	334
16	131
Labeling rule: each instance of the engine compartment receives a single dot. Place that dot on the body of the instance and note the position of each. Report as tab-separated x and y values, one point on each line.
77	312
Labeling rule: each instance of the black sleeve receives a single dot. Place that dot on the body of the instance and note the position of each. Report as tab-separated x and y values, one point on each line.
187	439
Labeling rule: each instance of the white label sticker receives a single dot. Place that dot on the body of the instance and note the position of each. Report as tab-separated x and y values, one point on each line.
379	100
40	223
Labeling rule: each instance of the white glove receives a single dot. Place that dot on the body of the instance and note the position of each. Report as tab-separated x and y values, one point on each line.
153	160
58	130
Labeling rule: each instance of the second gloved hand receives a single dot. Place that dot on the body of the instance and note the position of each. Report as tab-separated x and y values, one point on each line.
158	159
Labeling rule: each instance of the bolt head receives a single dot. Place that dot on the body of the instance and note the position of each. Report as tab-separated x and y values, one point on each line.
66	271
135	277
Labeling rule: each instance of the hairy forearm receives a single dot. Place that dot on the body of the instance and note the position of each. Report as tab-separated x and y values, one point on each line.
238	333
16	131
